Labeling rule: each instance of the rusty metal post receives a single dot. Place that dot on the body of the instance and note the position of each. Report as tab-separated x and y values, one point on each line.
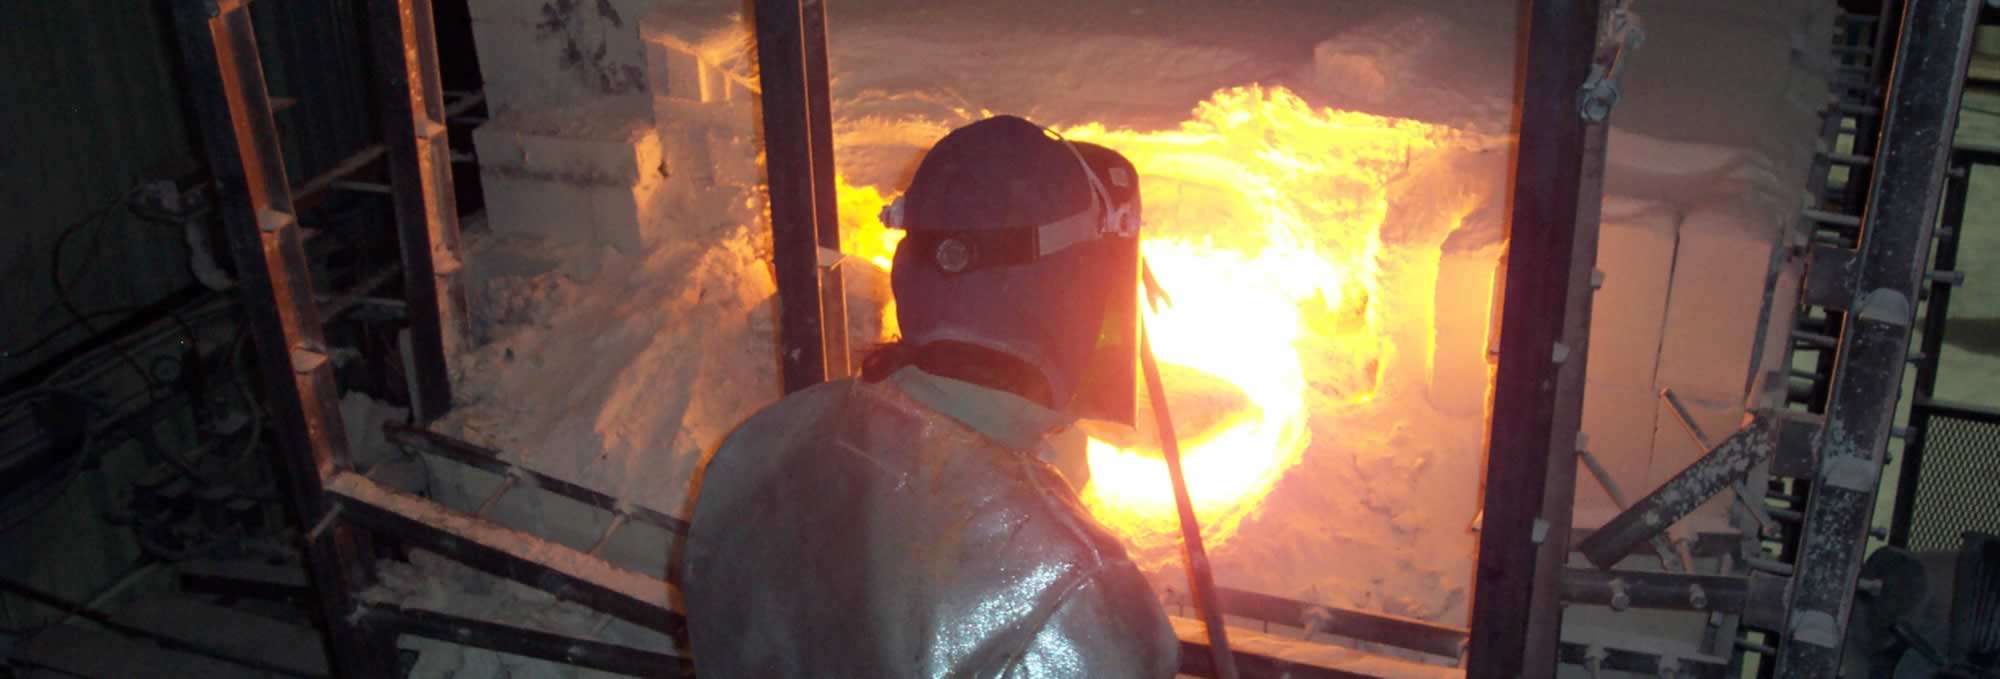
798	165
826	204
413	125
1545	315
226	86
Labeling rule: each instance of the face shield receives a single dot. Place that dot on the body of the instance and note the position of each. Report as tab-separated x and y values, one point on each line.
1091	255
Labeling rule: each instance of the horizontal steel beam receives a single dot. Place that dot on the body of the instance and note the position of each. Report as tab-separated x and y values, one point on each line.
528	559
493	636
424	441
1645	663
1415	635
1733	594
1196	662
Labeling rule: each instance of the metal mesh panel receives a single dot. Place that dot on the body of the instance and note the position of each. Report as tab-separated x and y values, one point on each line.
1958	488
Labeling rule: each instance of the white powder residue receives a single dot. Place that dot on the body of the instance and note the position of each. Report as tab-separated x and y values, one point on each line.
620	371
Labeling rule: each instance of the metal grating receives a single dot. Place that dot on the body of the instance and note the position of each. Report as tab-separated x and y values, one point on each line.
1956	491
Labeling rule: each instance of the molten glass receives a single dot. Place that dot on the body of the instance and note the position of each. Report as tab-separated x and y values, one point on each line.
1262	214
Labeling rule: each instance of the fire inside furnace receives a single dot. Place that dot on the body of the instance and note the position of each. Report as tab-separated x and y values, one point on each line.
1263	217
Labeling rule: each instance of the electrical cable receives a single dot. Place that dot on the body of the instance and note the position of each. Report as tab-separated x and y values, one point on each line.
198	316
62	291
249	402
53	335
10	520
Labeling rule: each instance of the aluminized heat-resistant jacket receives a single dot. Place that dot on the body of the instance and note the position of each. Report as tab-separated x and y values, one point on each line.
890	530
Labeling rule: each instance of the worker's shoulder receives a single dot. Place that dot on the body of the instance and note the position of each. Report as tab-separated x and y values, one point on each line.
794	415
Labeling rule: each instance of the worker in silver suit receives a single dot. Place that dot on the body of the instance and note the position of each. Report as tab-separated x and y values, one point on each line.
910	523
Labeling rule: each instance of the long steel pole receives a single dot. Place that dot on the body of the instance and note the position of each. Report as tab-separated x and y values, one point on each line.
1201	581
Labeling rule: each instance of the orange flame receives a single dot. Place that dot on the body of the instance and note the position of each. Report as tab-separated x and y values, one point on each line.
1262	216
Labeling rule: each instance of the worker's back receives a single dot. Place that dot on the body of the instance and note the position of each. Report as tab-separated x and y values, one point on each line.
854	530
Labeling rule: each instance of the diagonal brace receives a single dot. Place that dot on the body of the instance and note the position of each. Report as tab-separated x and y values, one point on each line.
1723	466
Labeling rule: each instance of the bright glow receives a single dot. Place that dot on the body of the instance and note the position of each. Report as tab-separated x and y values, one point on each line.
862	233
1262	216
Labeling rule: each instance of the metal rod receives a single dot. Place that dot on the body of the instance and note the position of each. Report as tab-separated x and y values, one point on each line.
465	102
1769	566
1813	339
1201	581
1662	591
1646	663
1835	218
336	306
347	166
507	483
1687	419
617	521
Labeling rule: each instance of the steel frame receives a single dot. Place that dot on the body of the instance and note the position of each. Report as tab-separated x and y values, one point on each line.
256	202
1545	316
419	155
1951	229
1921	111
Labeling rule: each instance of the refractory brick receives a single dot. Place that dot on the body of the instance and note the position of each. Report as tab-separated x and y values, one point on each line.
1635	252
1720	270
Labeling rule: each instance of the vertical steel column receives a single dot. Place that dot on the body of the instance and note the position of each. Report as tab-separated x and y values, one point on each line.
413	127
1920	116
796	183
226	85
1957	185
1537	399
826	204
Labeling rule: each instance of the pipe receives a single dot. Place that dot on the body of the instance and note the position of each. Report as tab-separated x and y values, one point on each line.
1201	581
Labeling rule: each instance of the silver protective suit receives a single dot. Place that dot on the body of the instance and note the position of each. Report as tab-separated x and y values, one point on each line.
906	529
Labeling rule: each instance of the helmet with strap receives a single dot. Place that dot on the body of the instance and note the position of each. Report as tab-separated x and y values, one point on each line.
1024	243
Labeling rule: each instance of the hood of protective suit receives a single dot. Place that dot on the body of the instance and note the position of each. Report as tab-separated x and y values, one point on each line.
1025	243
856	530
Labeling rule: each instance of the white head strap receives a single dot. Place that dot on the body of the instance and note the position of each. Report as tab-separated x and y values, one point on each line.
1101	220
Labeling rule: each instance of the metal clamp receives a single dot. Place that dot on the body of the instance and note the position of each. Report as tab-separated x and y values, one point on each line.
1622	30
